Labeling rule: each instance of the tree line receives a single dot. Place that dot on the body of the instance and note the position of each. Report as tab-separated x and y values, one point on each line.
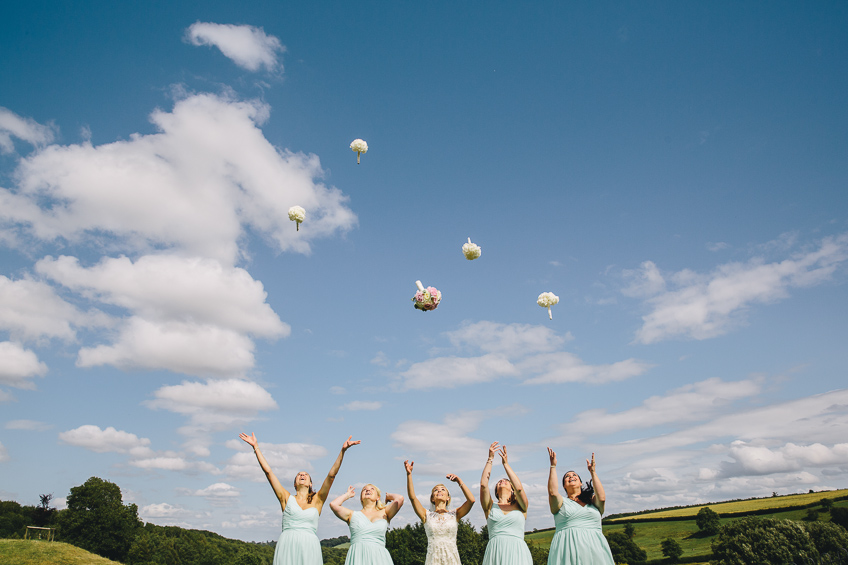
97	520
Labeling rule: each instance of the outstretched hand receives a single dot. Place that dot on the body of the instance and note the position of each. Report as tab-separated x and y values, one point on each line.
552	455
349	443
452	477
351	492
591	464
249	439
408	466
492	449
502	453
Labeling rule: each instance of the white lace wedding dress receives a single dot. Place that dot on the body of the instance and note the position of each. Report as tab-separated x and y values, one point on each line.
441	538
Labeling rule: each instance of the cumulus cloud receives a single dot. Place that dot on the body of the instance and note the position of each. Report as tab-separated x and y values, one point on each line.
511	351
190	188
212	406
702	306
690	403
105	441
25	129
19	365
286	459
31	310
445	445
750	459
247	46
218	494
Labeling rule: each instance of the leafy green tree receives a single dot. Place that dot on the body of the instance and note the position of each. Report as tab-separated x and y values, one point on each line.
764	541
248	557
831	541
671	550
624	549
538	554
708	521
629	530
13	519
826	504
97	520
839	515
470	544
812	515
43	515
407	545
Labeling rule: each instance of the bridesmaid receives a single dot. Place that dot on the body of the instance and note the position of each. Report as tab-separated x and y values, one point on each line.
505	519
368	526
440	522
298	543
579	537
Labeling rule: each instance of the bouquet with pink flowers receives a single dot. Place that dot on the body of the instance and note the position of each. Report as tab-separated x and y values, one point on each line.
426	298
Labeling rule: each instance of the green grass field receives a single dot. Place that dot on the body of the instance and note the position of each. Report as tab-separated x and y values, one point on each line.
774	502
37	552
650	535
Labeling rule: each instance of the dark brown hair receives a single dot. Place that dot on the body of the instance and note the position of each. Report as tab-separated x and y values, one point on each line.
587	491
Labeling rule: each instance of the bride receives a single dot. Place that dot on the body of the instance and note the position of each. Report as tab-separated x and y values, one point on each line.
440	523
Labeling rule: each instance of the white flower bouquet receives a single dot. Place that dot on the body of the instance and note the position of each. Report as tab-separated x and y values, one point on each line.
360	147
471	250
546	300
297	214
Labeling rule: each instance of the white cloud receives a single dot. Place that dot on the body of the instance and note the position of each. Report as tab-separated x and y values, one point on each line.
510	340
247	46
749	459
209	162
690	403
286	460
447	446
19	365
191	315
31	310
647	281
450	372
25	129
363	405
565	367
512	350
380	359
184	347
168	287
105	441
218	494
705	306
30	425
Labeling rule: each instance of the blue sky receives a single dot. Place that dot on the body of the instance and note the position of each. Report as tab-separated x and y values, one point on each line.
677	173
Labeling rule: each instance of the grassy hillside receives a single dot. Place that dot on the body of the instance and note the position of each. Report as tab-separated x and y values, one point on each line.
36	552
649	535
756	504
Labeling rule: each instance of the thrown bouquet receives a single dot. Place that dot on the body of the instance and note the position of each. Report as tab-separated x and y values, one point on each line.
426	298
546	300
297	214
471	250
359	147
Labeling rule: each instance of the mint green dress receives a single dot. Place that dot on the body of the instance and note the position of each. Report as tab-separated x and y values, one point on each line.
506	538
367	541
298	543
579	538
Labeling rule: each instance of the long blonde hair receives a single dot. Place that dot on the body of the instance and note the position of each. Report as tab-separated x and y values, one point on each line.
380	504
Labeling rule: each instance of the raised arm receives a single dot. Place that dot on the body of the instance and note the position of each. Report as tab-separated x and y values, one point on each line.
393	504
554	497
520	495
334	470
485	496
410	490
339	510
469	498
279	490
600	497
